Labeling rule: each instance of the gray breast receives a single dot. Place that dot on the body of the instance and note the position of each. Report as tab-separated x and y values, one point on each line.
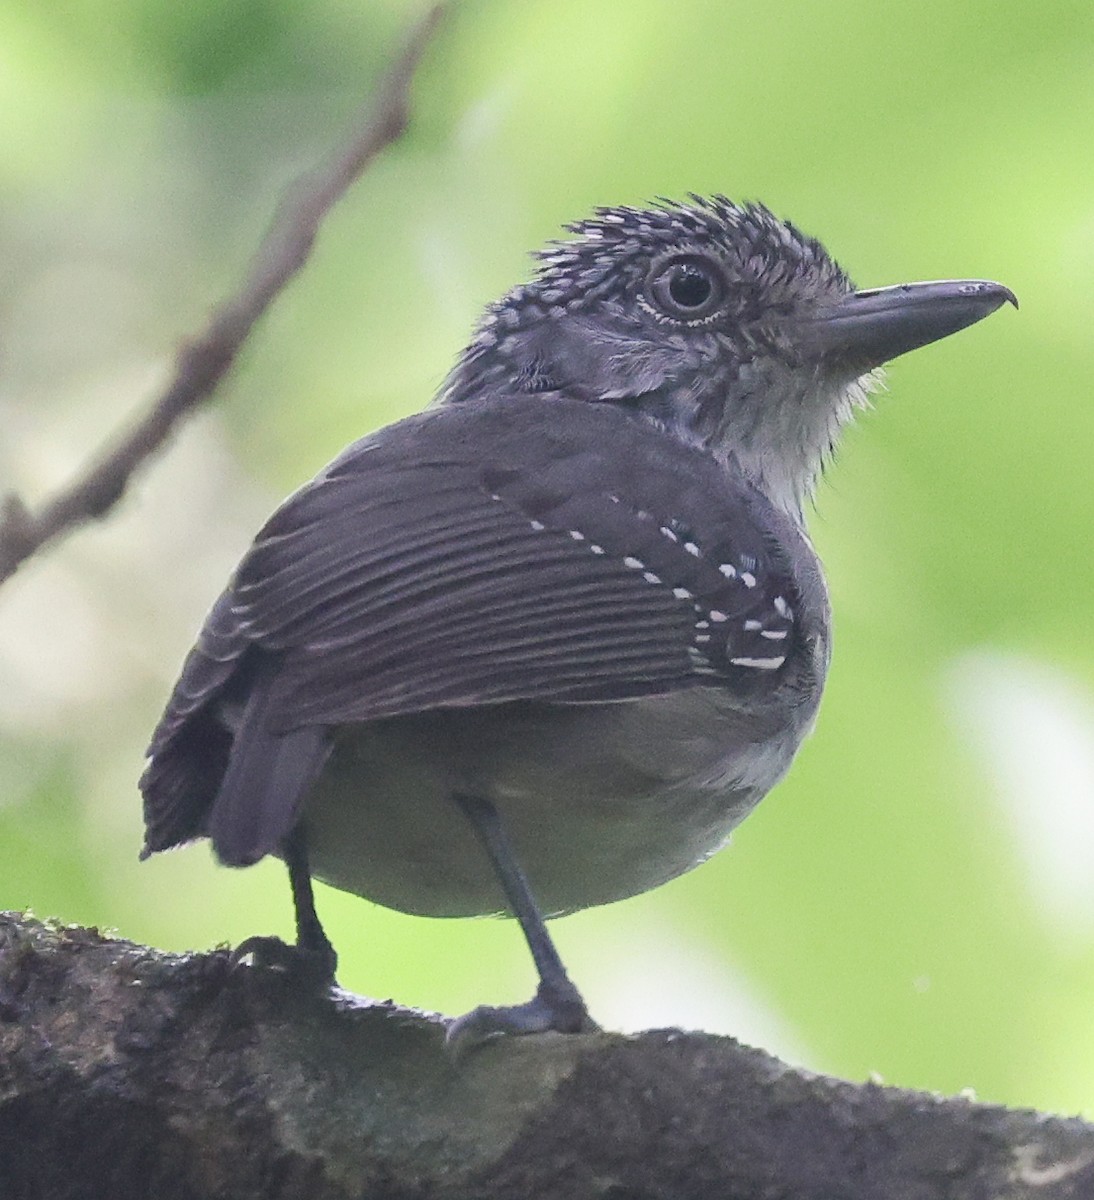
601	801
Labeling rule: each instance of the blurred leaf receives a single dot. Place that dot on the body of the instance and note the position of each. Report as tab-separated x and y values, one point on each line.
44	861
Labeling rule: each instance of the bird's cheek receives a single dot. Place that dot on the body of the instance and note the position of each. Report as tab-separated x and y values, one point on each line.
641	374
597	361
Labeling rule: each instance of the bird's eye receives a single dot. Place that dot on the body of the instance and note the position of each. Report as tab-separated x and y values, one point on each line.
687	289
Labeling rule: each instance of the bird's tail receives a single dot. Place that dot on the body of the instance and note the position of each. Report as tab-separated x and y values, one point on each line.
267	778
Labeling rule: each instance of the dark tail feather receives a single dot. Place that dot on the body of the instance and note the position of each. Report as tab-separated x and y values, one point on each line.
267	778
181	780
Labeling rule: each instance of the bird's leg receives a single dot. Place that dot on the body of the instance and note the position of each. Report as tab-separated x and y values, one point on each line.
313	957
557	1003
310	937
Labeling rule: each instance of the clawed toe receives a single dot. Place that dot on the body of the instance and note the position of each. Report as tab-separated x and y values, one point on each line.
546	1012
312	966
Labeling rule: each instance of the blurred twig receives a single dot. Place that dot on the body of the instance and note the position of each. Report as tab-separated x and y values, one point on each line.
203	361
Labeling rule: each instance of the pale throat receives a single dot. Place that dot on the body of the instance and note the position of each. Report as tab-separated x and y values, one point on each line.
782	438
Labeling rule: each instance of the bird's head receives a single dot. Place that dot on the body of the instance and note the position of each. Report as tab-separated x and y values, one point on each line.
725	325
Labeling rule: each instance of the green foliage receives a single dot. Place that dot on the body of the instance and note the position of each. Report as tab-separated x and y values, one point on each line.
908	900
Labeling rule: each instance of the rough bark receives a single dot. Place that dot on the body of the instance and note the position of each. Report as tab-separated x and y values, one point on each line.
127	1072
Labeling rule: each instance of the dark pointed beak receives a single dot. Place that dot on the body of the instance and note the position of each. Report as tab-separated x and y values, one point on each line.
869	328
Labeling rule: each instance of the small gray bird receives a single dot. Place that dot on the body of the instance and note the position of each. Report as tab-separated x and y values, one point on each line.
543	645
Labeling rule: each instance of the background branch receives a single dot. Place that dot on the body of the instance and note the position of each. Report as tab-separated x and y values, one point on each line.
202	362
128	1072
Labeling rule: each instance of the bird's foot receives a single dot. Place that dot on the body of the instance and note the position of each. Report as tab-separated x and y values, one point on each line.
558	1009
313	966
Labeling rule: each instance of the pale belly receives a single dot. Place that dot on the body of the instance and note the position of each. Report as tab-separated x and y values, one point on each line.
600	801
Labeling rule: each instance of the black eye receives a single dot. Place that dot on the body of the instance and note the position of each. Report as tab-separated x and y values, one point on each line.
687	288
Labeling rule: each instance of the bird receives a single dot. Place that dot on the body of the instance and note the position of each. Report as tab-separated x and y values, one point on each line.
543	644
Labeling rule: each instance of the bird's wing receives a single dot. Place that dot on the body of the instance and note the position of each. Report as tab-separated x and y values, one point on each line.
511	552
192	744
523	549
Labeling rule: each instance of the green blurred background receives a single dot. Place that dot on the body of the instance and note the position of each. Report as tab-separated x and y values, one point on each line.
917	899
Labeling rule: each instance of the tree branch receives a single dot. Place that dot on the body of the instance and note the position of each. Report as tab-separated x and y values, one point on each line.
202	362
128	1072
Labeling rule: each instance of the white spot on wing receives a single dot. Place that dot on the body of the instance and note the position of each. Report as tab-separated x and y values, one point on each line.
761	664
682	593
728	570
748	579
699	662
635	564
